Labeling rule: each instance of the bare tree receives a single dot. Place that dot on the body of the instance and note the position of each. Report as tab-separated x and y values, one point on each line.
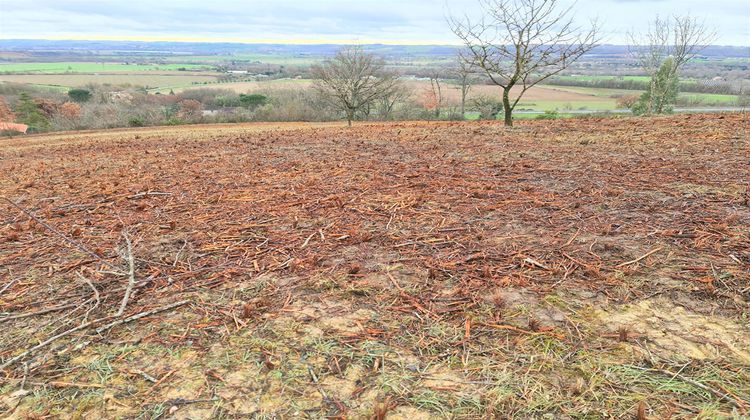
464	72
519	43
353	80
434	96
679	39
385	104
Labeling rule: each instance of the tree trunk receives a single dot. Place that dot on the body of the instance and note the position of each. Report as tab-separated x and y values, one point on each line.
349	117
650	108
463	103
506	107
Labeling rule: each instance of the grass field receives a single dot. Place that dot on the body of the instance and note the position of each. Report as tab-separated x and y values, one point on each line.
589	268
85	67
708	99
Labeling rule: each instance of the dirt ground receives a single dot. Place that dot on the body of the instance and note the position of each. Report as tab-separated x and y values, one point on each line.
580	268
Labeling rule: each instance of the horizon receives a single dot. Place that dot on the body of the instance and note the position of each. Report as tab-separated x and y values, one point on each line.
287	42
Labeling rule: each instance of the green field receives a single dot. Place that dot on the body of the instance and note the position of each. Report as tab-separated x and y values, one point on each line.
90	67
704	98
588	105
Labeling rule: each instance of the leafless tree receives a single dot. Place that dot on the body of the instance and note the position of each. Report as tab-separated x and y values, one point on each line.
680	38
353	80
519	43
464	71
434	96
387	102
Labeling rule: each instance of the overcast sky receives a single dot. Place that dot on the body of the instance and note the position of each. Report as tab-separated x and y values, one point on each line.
318	21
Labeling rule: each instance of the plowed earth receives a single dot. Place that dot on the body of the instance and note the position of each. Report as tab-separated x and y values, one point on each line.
571	268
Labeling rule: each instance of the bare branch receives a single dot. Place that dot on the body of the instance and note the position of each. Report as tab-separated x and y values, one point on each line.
522	43
353	80
131	274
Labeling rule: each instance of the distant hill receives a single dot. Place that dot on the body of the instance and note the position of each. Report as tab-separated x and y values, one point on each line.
130	48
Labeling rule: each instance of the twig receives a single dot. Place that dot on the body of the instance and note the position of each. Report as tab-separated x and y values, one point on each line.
307	241
9	285
536	264
93	288
147	193
140	315
131	274
73	242
42	312
50	340
182	401
60	384
646	255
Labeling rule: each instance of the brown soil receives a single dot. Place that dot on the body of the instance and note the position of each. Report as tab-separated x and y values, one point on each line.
563	268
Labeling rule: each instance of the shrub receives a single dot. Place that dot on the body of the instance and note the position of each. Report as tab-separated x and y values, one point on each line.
627	101
548	115
190	110
136	122
6	115
79	95
253	101
488	107
28	113
70	110
661	94
9	133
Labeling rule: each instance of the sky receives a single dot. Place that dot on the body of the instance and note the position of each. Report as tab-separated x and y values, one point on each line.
325	21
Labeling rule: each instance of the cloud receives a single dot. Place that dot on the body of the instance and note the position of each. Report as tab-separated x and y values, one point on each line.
368	20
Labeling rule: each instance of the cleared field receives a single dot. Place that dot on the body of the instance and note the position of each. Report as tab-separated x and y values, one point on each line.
602	77
244	87
162	79
561	269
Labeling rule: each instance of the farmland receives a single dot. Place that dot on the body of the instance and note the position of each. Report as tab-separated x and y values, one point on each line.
267	68
91	67
160	81
566	268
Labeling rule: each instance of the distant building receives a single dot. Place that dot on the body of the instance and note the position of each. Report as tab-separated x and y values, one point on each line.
237	72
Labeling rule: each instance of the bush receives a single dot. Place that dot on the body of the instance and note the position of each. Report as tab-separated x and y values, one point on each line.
79	95
190	110
254	100
548	115
136	122
661	94
6	115
488	107
627	101
10	133
28	113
